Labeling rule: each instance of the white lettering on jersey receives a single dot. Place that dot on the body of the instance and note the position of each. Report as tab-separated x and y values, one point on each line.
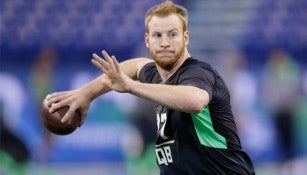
164	153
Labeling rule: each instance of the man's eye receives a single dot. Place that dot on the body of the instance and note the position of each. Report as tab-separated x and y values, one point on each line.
156	35
173	34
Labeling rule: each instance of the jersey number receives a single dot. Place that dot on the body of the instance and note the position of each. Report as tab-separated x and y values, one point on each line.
161	122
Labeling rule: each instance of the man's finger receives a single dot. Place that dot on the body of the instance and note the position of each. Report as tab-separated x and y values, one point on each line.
68	115
99	66
58	105
56	98
111	61
116	64
96	63
105	55
100	61
108	59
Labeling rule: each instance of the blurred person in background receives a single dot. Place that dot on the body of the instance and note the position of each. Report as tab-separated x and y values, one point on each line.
242	84
196	129
14	153
13	97
281	82
243	88
42	84
300	130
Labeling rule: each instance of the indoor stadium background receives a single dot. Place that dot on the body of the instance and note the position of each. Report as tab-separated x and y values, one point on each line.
259	47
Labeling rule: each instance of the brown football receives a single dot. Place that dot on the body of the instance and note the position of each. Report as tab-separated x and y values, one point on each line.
52	121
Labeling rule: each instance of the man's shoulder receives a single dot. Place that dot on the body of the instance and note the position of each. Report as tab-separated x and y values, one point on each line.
150	65
193	62
149	73
149	68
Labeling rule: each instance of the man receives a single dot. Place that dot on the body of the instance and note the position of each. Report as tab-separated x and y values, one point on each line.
196	130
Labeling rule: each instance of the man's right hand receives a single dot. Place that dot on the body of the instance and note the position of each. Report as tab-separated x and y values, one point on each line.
77	100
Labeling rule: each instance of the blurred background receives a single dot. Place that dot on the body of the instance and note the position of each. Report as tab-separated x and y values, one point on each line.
259	47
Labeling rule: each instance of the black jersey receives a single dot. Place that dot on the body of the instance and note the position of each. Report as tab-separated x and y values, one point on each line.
198	144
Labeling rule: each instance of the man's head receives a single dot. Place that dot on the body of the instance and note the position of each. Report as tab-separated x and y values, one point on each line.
166	34
165	9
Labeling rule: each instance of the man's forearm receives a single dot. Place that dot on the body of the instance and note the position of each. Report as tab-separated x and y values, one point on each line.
95	88
182	98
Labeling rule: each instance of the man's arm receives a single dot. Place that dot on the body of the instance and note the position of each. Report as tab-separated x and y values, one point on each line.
80	99
178	97
182	98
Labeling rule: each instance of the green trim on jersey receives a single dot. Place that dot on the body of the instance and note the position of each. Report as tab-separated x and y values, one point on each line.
205	132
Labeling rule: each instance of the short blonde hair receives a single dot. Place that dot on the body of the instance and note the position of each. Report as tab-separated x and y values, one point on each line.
165	9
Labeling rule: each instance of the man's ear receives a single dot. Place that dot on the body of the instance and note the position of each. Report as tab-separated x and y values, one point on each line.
186	36
146	39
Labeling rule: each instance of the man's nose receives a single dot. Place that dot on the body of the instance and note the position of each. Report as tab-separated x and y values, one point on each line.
164	42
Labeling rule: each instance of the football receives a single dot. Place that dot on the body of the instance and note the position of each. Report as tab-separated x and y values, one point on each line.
52	121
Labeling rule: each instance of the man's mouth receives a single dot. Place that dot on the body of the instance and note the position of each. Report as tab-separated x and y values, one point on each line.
165	53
